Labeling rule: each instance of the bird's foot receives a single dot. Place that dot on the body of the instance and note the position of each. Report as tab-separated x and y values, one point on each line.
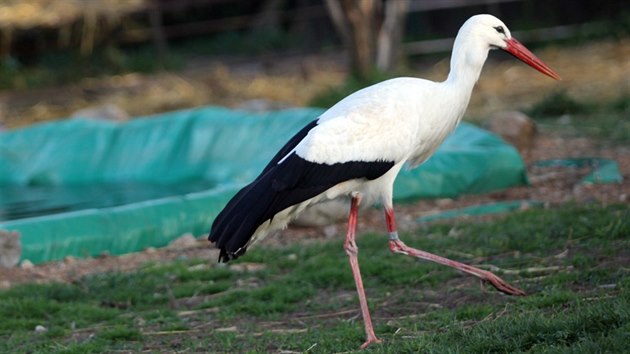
397	246
501	284
351	248
370	340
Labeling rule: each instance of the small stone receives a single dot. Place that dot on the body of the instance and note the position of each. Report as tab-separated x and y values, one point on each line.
26	264
292	257
139	321
69	260
444	202
40	329
198	267
247	267
150	250
10	248
5	284
515	127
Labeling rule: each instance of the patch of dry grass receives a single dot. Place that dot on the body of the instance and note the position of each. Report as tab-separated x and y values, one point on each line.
597	71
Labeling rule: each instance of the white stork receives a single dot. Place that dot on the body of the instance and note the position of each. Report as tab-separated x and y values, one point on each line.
356	149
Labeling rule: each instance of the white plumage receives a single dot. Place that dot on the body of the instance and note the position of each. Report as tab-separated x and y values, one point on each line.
357	147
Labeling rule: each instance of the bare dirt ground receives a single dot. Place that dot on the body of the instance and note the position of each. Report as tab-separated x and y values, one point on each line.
597	71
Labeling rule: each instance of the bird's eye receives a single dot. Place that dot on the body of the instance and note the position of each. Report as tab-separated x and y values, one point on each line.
500	29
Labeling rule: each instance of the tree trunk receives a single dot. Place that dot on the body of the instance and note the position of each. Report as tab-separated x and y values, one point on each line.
371	30
356	23
157	33
390	37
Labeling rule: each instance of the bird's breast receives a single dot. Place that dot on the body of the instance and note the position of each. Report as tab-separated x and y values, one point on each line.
433	128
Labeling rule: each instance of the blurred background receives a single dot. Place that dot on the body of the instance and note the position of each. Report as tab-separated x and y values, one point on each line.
78	195
117	60
136	57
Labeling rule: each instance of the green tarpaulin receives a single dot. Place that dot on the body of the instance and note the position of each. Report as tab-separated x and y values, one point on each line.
80	187
482	210
603	170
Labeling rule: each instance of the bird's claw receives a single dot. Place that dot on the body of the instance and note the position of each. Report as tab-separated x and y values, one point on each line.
370	341
503	286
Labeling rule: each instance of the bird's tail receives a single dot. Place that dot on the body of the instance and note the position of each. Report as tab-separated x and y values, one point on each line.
235	226
279	194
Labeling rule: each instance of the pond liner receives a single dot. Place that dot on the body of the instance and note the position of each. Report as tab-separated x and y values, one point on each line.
603	171
227	148
484	209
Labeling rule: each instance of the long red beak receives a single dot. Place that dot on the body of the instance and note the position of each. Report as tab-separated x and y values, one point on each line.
518	50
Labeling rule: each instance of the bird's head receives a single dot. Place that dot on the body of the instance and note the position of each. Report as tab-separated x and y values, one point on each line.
492	32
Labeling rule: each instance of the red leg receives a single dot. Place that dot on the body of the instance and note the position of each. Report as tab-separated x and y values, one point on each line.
351	249
397	246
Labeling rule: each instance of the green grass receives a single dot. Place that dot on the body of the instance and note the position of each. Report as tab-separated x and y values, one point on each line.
573	261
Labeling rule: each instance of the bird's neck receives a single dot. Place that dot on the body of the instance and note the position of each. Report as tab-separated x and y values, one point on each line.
467	61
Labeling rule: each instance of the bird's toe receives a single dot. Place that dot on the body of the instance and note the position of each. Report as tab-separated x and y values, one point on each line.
370	341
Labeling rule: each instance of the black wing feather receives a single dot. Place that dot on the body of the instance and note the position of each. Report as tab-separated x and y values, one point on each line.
278	187
221	219
289	146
